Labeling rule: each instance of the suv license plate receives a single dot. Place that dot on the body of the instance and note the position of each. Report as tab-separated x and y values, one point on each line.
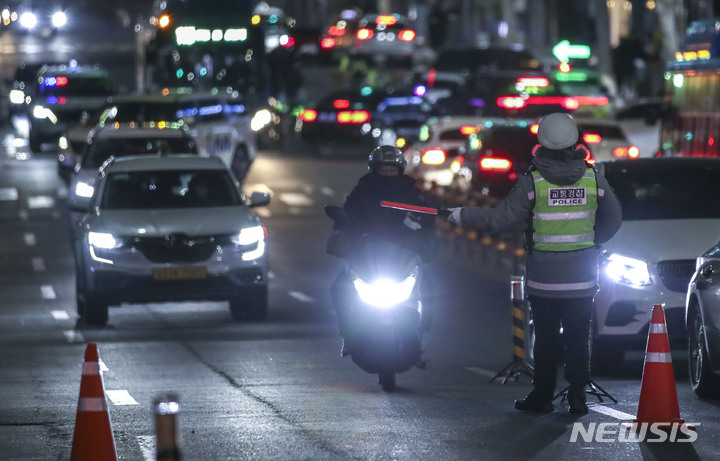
179	273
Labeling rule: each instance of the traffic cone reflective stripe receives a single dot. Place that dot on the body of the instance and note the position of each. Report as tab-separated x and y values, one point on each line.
92	438
658	395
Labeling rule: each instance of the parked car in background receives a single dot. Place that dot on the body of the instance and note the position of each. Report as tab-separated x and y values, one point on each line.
59	98
669	220
606	139
170	229
440	141
221	124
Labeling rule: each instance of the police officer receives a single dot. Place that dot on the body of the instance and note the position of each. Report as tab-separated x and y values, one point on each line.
569	209
385	180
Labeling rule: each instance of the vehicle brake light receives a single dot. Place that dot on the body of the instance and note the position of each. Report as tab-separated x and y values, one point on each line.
592	138
386	19
468	130
289	42
364	34
336	31
433	157
407	35
511	102
308	115
457	163
570	103
536	82
353	116
327	42
341	103
626	152
495	164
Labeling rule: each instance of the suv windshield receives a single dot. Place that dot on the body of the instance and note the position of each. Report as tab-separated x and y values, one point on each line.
169	189
102	149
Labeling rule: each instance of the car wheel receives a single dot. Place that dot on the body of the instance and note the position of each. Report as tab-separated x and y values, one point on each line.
240	163
251	305
91	307
703	382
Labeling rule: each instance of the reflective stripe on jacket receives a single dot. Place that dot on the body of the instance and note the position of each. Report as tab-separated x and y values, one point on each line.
564	216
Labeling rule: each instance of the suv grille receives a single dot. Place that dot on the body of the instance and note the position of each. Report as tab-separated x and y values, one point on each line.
177	248
676	274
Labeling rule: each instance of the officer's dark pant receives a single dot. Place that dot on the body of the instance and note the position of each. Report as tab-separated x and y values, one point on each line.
549	314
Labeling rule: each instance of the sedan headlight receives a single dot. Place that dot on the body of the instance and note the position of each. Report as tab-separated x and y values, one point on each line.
28	20
626	270
249	236
58	19
103	240
385	293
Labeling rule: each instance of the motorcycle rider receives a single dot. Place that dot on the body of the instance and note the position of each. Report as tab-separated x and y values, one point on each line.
385	180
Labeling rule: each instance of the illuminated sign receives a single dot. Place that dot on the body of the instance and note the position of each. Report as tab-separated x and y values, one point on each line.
564	51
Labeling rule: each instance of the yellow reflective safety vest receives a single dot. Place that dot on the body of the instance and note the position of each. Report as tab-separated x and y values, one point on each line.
564	216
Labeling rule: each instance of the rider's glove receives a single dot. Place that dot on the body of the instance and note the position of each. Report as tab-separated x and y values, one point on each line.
454	216
410	223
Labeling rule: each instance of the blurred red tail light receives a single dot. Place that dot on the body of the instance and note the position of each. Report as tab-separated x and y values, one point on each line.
626	152
341	103
511	102
308	115
407	35
327	43
364	33
353	116
592	138
495	164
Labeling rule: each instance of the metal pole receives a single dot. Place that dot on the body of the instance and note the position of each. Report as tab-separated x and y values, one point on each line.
166	409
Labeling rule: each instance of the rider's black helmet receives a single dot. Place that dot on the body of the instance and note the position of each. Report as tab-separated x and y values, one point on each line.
386	155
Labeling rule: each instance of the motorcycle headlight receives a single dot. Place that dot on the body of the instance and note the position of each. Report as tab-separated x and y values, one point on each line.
626	270
385	293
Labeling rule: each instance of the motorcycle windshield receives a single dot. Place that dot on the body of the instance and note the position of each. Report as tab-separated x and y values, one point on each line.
383	259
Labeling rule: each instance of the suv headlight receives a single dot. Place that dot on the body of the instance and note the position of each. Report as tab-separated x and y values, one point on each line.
626	270
84	190
254	236
103	240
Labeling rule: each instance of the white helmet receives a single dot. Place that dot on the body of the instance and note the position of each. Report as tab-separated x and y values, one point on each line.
557	131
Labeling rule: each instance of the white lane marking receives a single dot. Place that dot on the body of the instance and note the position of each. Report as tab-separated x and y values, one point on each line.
73	336
302	297
103	367
295	199
147	447
481	371
611	412
121	397
38	264
327	191
9	194
262	212
23	215
48	292
60	315
29	238
40	201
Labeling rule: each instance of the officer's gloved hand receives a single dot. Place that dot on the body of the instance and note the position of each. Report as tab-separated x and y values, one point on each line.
411	222
454	216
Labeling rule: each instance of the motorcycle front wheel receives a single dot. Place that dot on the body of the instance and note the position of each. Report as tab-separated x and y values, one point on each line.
387	381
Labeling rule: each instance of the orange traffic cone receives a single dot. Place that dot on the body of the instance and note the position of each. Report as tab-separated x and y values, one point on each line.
93	438
658	395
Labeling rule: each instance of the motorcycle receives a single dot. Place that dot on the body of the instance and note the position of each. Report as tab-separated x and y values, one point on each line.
385	308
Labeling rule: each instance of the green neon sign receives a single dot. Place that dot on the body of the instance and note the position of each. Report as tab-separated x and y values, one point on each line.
564	51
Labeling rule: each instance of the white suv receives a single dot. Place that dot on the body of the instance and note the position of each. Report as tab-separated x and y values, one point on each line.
170	229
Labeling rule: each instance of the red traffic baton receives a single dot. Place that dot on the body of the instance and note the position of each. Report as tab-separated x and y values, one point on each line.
415	208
